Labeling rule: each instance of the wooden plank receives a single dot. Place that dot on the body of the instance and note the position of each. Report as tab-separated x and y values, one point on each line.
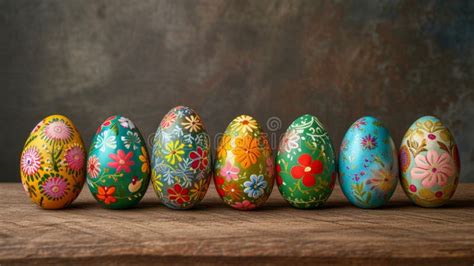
400	233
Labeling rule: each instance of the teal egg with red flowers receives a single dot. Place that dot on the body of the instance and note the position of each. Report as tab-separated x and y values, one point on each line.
118	170
181	159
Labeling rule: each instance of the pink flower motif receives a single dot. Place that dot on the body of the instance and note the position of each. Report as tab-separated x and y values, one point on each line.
229	172
359	123
126	123
433	168
57	130
75	158
30	161
369	142
244	205
168	120
93	166
54	187
121	161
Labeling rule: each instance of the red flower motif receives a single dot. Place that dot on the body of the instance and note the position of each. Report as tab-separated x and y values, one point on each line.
168	120
307	169
244	205
106	123
105	194
121	161
278	177
199	159
219	182
178	194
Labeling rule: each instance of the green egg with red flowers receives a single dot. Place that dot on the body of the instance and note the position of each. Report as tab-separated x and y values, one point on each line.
306	164
118	170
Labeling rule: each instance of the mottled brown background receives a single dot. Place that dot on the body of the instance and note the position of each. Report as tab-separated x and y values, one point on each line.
338	60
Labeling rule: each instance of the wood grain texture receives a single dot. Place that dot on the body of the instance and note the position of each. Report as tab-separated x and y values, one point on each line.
339	233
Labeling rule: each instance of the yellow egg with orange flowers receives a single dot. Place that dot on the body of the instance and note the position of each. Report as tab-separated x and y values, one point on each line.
52	163
243	169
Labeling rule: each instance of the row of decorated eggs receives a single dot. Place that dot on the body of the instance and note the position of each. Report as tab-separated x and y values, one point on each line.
54	168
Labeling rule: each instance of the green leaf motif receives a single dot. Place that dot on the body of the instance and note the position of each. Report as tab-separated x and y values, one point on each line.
360	194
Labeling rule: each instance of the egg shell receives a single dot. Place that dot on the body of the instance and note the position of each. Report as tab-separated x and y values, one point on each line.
52	163
244	167
429	162
306	164
368	164
118	170
181	159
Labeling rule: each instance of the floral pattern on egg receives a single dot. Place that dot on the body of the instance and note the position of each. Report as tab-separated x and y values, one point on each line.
117	165
244	167
181	159
305	164
368	164
52	163
429	162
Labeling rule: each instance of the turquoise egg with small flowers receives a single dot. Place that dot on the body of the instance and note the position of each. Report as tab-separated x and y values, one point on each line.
368	164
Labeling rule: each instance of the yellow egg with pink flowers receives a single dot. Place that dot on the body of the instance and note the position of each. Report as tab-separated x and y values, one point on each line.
52	163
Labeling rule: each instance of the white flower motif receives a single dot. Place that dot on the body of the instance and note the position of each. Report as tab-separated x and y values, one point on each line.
289	141
104	141
125	122
131	140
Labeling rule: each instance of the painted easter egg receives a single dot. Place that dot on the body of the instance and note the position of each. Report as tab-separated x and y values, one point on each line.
429	162
368	164
244	167
306	164
52	163
181	159
118	170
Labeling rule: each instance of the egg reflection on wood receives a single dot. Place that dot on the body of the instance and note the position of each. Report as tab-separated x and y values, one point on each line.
306	164
118	166
368	164
244	166
181	159
52	163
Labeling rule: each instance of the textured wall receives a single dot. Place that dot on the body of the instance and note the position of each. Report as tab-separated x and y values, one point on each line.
339	60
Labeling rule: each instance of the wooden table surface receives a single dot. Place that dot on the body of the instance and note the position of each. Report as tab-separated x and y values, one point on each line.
400	233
